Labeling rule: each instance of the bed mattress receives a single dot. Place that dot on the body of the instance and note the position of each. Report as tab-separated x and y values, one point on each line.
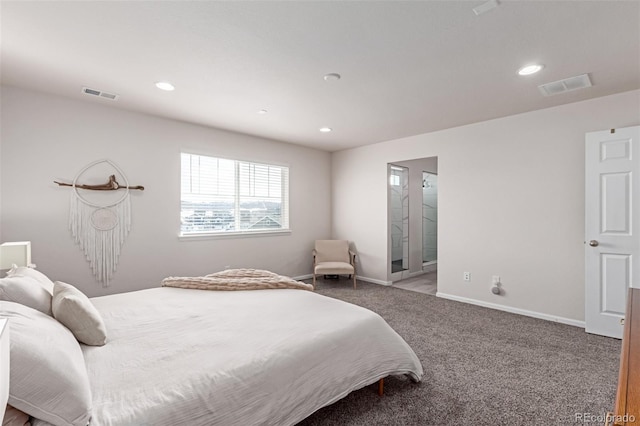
267	357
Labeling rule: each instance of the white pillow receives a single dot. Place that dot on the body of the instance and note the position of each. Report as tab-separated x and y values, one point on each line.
26	291
73	309
48	376
24	271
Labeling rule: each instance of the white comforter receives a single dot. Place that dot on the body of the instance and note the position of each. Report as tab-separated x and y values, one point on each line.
267	357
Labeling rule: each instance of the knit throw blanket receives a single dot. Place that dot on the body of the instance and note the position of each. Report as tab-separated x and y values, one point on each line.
237	279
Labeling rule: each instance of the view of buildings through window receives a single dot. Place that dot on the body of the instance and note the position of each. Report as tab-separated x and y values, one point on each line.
221	195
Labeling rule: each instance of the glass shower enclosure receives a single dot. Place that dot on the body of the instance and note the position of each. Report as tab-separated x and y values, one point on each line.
429	218
399	215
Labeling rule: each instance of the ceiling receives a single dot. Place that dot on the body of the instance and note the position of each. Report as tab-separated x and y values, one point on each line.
407	67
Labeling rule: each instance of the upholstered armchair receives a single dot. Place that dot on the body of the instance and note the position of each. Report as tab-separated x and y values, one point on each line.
333	257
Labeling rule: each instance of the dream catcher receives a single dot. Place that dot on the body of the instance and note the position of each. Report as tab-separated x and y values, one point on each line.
100	227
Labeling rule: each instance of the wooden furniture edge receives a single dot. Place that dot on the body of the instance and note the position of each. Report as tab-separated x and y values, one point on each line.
628	393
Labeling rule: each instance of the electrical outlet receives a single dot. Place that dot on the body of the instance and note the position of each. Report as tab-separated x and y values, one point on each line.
495	287
466	276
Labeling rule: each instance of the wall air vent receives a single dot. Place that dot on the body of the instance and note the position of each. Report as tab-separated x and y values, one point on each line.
486	7
100	94
566	85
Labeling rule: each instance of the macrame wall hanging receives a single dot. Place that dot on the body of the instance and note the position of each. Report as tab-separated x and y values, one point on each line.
100	226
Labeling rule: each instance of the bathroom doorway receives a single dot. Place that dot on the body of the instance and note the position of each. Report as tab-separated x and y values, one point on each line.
413	224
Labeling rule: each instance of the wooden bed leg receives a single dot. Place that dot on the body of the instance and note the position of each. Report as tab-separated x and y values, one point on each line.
381	387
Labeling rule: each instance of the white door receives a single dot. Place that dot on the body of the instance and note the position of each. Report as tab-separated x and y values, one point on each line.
612	231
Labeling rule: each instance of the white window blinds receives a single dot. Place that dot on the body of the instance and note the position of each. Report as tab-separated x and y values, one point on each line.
224	196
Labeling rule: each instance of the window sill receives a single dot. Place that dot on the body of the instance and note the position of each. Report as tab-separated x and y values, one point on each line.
226	235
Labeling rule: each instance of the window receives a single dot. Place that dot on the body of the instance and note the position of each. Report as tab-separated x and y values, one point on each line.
221	196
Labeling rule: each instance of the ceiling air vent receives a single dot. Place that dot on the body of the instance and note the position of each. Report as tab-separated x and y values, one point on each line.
99	93
566	85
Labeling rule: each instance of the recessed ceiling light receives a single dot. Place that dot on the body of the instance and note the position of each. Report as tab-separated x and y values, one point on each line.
262	111
332	76
325	129
530	69
165	85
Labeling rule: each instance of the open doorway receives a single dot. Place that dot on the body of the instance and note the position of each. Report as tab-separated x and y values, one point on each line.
413	232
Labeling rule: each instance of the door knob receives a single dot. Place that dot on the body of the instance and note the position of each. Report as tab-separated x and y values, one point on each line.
594	243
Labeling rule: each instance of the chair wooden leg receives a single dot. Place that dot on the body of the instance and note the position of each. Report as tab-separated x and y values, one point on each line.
354	281
381	387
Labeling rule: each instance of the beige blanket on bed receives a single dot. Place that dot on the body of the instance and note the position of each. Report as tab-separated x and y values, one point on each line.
237	279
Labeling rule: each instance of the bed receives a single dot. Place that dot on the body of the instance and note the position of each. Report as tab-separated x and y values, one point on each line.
178	356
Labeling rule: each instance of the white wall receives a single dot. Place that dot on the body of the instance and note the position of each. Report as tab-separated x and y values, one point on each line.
1	133
47	137
511	203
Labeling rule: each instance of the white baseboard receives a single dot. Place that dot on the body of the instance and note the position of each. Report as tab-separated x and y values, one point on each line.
417	273
373	280
303	277
430	267
512	310
358	277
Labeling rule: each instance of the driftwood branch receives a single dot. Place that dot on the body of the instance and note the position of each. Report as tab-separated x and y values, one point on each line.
112	185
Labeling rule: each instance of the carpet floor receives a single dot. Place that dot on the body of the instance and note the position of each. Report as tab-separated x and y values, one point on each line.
482	366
